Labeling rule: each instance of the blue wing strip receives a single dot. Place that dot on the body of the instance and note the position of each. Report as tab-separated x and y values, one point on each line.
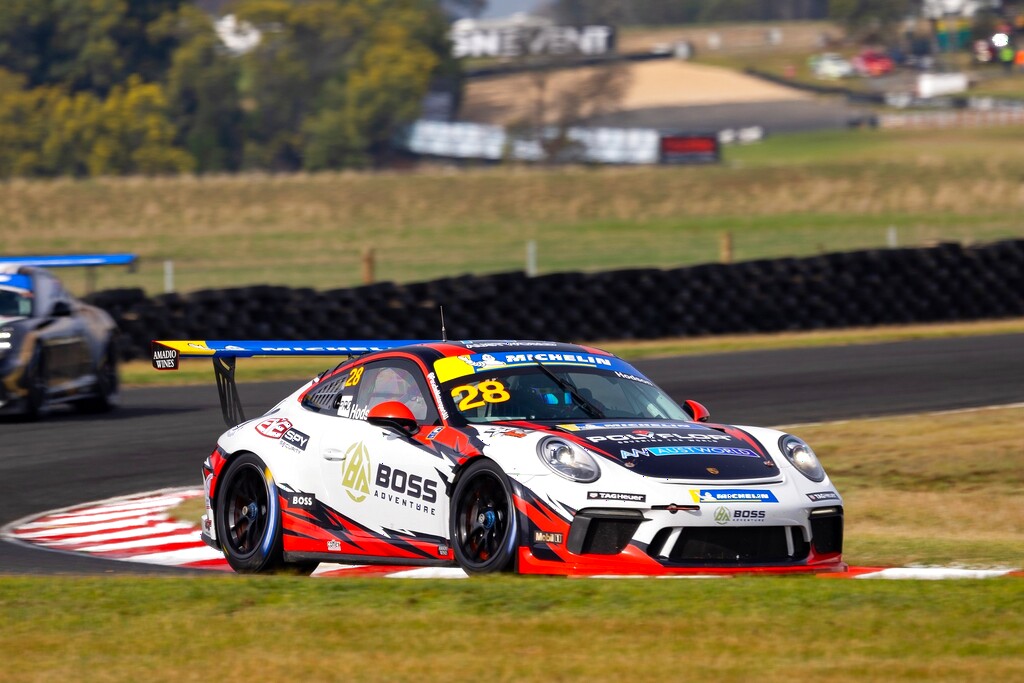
58	261
251	348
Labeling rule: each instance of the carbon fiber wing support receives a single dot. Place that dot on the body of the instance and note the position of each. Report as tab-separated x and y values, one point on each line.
227	391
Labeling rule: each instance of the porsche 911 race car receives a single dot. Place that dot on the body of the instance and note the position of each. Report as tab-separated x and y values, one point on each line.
54	348
533	456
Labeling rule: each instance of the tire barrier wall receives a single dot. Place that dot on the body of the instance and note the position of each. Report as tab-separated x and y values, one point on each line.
948	282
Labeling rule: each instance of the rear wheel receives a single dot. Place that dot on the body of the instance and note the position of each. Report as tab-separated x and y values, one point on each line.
483	525
36	385
249	517
106	384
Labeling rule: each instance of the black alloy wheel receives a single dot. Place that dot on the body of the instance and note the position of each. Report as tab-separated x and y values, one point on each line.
248	517
483	525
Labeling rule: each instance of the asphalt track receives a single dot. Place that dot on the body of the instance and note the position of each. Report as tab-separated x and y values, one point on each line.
159	437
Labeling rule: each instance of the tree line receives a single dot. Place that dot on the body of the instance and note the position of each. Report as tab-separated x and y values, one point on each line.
109	87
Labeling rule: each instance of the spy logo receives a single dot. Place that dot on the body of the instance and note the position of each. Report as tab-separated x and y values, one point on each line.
722	516
356	476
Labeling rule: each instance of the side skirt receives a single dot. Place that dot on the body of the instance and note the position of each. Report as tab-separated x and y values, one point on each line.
363	559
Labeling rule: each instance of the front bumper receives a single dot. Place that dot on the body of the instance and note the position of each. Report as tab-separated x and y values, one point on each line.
701	538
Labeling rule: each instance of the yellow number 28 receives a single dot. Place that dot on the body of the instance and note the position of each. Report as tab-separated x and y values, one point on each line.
354	376
470	396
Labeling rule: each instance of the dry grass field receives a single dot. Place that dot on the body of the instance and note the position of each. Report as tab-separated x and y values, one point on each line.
788	196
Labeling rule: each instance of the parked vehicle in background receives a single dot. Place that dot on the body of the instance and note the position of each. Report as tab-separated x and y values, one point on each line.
54	349
872	63
830	65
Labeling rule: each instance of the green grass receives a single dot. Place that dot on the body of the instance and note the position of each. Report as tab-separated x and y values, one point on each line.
506	629
911	486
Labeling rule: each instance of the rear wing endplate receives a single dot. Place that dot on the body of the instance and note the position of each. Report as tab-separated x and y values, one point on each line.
168	353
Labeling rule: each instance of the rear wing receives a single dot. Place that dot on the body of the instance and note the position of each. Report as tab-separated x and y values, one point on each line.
168	353
89	261
71	260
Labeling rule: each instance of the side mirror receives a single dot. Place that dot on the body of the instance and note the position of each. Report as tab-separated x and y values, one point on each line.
393	415
699	412
61	309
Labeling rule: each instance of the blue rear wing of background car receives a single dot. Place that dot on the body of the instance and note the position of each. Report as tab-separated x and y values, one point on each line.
71	260
167	355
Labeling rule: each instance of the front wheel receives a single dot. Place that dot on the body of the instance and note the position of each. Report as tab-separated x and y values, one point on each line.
249	517
483	525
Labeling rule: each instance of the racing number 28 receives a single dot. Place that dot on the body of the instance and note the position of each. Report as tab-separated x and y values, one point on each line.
470	396
354	376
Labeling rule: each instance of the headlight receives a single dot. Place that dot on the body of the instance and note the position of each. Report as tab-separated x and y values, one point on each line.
802	457
567	460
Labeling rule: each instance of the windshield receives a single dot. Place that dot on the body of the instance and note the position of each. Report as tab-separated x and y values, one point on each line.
15	303
549	391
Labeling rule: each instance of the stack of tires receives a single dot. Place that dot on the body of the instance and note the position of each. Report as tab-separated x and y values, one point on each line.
948	282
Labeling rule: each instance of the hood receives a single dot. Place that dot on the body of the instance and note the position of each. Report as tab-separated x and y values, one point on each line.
676	450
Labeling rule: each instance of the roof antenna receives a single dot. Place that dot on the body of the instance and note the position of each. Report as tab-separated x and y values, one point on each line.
444	334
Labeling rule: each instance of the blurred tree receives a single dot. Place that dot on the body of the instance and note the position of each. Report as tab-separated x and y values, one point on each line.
24	119
361	112
202	89
873	20
331	80
134	133
123	86
48	131
84	44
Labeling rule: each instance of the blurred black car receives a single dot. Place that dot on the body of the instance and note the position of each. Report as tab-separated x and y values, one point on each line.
54	349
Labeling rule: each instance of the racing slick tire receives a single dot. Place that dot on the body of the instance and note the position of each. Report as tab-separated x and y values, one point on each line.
106	395
35	385
248	517
483	525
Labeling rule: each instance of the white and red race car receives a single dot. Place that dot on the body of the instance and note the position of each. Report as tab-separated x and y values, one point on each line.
502	455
